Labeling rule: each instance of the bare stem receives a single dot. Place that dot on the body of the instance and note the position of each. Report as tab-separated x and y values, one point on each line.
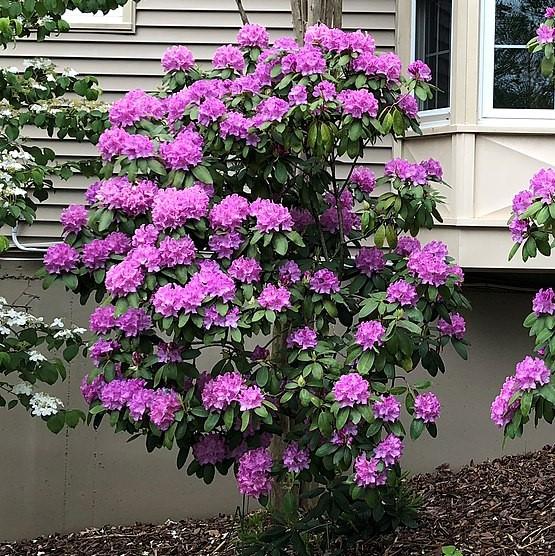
242	12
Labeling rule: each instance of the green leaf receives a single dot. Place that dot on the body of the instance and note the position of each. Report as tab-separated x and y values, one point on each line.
280	244
56	422
211	422
202	174
70	352
416	428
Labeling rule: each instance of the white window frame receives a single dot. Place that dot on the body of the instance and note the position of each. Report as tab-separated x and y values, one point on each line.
487	55
437	115
99	22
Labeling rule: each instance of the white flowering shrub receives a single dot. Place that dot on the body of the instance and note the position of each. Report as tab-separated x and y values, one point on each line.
27	363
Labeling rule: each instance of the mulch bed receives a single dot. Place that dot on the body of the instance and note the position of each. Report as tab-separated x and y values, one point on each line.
505	507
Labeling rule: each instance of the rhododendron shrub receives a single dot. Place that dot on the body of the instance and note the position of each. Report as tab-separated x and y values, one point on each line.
530	390
260	304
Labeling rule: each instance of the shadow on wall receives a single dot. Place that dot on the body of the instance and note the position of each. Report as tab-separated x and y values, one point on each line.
84	478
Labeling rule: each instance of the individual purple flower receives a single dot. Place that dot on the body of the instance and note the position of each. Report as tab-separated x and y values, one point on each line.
124	278
521	201
427	407
259	353
502	409
133	322
406	245
177	58
302	219
270	216
250	398
91	192
456	328
389	65
545	34
532	372
228	56
286	43
210	449
420	70
253	474
274	298
60	258
245	270
289	273
429	263
387	408
252	34
139	403
325	281
370	260
549	13
370	334
358	103
90	389
137	146
298	95
295	458
544	302
403	293
330	217
116	393
184	152
212	317
364	178
235	125
309	60
325	90
102	319
223	390
409	105
345	436
230	212
169	352
350	390
174	207
118	243
163	406
111	142
542	185
389	450
368	473
210	111
303	338
135	106
74	218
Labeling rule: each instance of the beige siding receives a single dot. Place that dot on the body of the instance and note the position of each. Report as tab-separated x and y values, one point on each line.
125	60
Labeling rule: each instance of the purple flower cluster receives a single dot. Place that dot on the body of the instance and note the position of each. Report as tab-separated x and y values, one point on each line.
245	270
344	437
160	405
210	111
134	106
545	34
387	408
210	449
325	281
330	217
358	103
403	293
542	185
420	71
532	372
409	105
124	278
132	199
389	450
387	65
456	328
364	178
427	407
116	141
370	334
253	474
60	258
502	408
228	56
544	302
351	389
369	472
74	218
252	34
220	392
289	273
272	109
230	212
212	317
90	389
303	338
406	245
370	260
177	58
184	152
429	263
295	458
270	216
173	207
406	171
274	298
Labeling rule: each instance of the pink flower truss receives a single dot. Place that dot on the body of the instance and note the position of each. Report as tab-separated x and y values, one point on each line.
351	389
427	407
370	334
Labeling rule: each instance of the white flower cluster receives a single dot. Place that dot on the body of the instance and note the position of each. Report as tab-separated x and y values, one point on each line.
11	318
55	105
38	63
12	161
44	405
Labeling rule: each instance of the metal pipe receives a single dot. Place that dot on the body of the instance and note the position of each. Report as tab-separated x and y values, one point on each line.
29	247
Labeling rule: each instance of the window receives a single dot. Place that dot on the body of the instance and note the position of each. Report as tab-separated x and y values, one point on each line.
432	20
512	83
122	18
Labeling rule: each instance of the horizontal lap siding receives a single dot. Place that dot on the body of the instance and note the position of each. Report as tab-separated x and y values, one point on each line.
124	61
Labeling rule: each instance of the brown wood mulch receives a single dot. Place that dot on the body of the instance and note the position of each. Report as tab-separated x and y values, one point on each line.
505	507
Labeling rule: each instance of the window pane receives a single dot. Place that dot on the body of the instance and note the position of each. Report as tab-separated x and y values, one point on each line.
433	45
516	21
518	82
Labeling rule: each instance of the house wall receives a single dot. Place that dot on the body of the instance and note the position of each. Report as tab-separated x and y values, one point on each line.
87	478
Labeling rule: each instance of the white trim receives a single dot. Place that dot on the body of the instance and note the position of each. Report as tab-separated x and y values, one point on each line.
123	20
525	116
438	115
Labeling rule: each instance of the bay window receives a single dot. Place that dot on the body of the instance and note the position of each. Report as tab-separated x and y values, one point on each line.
120	19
